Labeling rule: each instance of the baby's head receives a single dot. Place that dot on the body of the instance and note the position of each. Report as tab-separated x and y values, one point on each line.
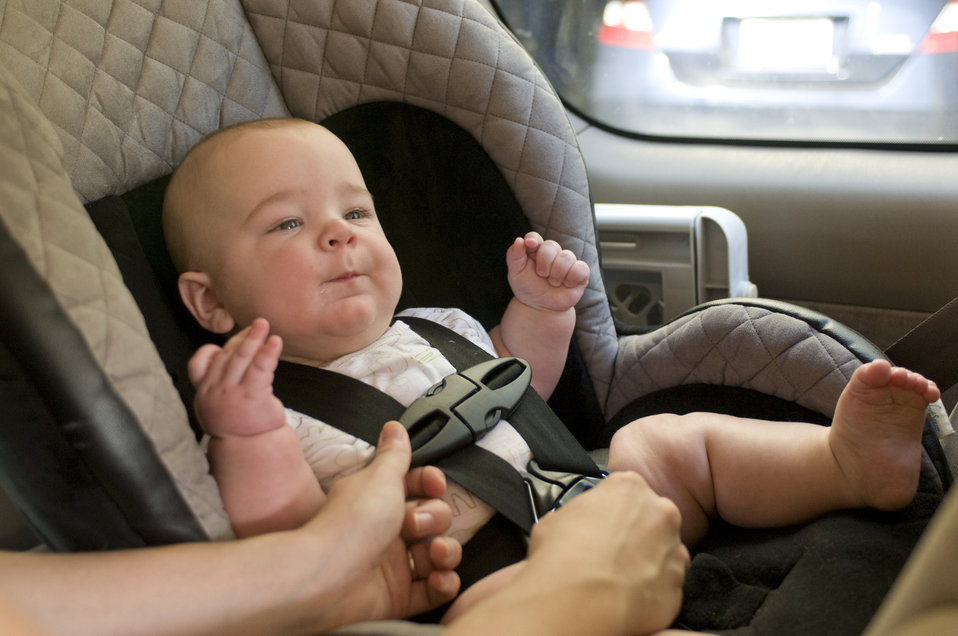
273	219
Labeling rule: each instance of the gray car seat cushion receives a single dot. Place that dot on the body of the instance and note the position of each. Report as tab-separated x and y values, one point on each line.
130	86
43	214
706	347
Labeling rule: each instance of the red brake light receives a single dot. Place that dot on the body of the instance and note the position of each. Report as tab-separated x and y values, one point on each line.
942	37
626	24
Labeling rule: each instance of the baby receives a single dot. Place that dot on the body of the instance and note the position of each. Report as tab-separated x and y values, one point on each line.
279	247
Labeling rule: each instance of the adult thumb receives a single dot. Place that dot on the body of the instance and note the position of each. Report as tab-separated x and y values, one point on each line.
394	447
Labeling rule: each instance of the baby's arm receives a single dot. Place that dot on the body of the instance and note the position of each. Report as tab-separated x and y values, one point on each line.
547	281
256	459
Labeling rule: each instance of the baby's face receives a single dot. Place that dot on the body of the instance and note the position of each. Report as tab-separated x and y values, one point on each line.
297	240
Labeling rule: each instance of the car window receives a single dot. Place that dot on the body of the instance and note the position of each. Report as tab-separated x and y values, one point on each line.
863	71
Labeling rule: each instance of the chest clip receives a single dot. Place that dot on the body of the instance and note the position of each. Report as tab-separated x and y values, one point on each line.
461	408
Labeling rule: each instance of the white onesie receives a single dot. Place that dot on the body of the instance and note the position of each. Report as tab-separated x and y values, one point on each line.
404	365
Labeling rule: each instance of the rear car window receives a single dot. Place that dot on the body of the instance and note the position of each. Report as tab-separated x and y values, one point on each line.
863	71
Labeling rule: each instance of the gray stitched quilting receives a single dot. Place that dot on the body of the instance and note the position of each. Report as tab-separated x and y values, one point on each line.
736	345
131	85
42	212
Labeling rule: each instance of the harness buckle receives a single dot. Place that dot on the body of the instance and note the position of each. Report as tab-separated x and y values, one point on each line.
461	408
551	489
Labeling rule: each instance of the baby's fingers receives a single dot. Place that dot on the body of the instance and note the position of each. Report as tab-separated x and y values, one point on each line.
545	257
250	356
578	275
254	356
198	366
517	256
562	266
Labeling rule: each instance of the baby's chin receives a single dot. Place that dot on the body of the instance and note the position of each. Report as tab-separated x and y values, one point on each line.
335	341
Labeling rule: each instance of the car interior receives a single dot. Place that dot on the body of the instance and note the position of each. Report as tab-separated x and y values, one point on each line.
726	276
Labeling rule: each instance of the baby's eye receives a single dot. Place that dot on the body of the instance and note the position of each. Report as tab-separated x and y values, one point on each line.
288	224
356	215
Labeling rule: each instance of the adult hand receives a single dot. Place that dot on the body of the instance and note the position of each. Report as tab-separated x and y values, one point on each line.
623	538
379	531
610	562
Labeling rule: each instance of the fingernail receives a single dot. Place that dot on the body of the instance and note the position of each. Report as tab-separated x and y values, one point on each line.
422	520
392	431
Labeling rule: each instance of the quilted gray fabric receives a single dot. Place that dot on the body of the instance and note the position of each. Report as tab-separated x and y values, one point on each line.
43	213
736	345
131	85
455	58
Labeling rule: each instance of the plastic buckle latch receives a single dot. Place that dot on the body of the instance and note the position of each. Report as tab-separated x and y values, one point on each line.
551	489
461	408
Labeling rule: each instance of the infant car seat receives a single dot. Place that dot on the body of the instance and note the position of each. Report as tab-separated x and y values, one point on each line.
464	145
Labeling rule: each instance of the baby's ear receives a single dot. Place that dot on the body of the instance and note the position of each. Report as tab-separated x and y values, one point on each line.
198	296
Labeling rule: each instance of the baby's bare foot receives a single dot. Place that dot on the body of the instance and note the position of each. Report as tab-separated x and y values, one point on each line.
876	433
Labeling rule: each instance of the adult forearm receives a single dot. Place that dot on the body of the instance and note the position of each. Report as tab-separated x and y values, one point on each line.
545	603
260	585
348	564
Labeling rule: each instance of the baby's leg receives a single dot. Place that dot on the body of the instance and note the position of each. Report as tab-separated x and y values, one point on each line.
760	474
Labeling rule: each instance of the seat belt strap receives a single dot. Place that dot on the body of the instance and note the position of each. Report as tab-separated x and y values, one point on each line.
355	407
931	348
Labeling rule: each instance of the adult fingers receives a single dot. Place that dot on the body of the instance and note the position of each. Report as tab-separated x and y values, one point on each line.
434	581
427	481
393	452
425	518
435	555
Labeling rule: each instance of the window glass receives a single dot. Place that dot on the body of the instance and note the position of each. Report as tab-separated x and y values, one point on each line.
864	71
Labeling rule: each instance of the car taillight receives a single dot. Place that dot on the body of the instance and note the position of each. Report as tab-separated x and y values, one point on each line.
942	37
627	24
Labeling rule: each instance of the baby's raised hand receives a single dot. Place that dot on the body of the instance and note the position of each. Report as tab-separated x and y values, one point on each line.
234	383
543	275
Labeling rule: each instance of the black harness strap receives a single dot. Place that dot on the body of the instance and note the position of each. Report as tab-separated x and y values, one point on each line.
354	406
361	410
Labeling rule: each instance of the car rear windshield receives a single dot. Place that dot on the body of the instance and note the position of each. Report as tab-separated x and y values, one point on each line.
859	72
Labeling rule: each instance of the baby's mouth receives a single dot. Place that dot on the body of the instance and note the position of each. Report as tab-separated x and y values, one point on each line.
344	277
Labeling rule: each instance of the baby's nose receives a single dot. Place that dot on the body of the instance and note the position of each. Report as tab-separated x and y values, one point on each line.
337	234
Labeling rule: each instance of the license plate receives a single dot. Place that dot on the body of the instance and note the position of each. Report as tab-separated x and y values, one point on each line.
786	44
